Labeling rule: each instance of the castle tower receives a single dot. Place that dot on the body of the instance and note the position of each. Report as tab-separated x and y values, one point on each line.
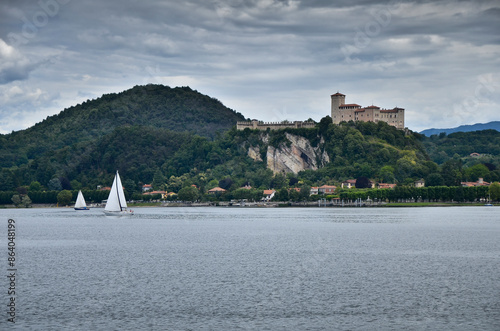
338	99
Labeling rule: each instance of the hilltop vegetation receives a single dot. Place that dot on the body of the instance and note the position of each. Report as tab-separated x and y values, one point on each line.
171	160
443	147
178	109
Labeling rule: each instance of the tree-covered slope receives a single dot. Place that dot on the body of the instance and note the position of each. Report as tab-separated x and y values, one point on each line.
142	153
178	109
462	144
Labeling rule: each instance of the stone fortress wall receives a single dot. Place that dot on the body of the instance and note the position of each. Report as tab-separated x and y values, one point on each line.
259	125
340	112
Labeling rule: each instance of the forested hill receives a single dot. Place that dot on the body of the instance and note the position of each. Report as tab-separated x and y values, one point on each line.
178	109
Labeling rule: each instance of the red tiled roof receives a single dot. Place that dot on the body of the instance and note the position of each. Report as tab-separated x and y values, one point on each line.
386	185
475	184
394	110
217	189
338	94
269	192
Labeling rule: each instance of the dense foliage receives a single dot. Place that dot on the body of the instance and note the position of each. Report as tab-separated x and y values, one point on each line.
444	147
179	109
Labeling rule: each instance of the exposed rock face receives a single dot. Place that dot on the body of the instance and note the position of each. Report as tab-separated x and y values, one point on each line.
254	153
299	156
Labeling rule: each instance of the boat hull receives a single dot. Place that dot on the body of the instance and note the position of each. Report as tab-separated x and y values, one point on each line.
82	208
122	213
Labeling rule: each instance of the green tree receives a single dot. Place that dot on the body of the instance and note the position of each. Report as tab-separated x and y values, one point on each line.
16	199
281	195
54	184
64	197
175	183
386	174
158	179
305	193
26	201
363	182
279	181
451	171
76	185
21	201
434	179
188	194
494	191
213	183
475	172
35	186
130	186
324	123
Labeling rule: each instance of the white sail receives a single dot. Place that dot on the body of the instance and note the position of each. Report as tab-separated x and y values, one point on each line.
116	204
121	194
80	201
113	203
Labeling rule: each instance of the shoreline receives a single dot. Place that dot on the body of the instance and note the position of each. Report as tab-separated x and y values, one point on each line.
272	205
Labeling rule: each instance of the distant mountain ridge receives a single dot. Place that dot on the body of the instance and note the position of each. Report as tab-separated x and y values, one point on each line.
495	125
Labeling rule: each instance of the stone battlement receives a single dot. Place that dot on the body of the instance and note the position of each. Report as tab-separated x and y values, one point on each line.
259	125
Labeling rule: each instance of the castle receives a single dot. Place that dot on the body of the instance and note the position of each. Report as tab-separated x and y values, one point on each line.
353	112
340	112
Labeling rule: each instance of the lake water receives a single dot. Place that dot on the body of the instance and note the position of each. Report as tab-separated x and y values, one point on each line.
255	269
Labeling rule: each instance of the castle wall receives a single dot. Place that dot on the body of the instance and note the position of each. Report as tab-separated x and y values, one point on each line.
257	125
341	112
352	112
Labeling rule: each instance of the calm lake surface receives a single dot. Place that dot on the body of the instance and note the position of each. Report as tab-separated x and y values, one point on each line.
255	269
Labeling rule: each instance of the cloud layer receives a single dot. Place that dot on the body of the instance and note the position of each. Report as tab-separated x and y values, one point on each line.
268	59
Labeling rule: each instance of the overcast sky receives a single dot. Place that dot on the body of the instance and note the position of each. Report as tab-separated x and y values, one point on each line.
272	60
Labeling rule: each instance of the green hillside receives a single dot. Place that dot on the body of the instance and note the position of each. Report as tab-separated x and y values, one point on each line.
178	109
146	154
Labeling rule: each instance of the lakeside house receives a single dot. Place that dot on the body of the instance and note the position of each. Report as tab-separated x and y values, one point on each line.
268	195
314	190
147	187
216	190
420	183
480	182
162	193
385	185
350	183
327	189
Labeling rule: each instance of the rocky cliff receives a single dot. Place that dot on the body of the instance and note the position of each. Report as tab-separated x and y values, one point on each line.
294	156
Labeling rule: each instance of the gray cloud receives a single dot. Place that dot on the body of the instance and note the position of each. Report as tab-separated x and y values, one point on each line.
272	60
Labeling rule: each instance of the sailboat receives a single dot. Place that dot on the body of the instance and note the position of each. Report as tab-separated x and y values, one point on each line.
116	204
80	202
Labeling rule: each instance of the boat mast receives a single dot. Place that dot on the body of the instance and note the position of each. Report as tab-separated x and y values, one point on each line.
118	191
